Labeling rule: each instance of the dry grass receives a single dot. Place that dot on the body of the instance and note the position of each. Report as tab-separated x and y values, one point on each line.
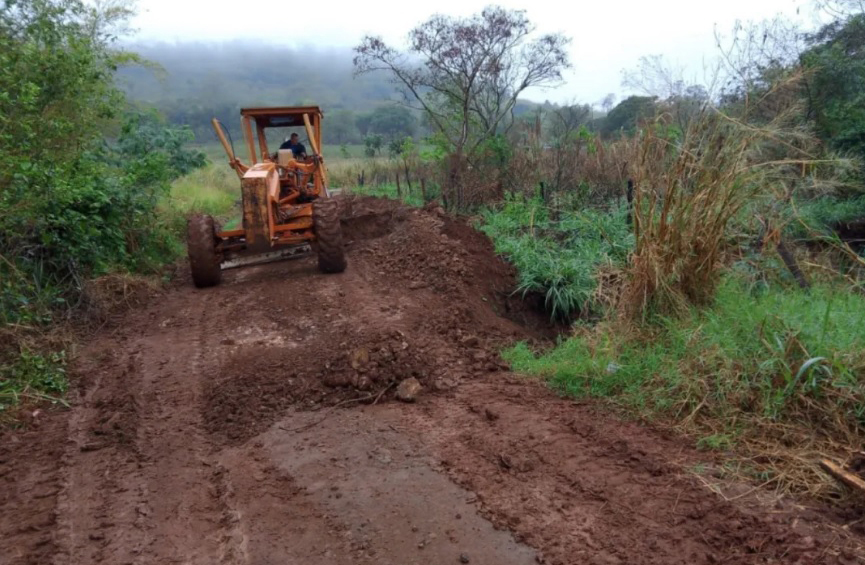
105	297
687	191
771	374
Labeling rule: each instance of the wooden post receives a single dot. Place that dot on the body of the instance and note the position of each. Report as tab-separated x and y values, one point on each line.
407	177
423	189
630	197
398	189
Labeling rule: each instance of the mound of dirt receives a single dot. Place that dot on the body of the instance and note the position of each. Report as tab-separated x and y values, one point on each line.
435	305
369	218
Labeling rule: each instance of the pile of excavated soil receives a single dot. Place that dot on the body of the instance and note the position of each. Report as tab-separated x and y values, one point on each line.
442	308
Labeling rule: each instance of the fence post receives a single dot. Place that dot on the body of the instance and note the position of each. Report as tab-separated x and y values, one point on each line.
630	197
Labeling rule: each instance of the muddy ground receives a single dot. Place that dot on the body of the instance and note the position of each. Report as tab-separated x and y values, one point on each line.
256	423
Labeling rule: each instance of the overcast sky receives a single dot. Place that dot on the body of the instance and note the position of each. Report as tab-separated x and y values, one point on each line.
608	36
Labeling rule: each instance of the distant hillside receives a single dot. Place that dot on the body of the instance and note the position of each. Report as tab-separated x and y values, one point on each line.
193	82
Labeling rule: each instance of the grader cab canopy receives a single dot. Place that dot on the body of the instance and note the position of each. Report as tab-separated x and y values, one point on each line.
287	206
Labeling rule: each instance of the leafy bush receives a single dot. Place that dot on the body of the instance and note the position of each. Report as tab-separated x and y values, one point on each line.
75	202
560	258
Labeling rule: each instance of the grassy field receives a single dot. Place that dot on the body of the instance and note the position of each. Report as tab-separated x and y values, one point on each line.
215	188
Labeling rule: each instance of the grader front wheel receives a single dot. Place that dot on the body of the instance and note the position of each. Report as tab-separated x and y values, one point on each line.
328	234
201	246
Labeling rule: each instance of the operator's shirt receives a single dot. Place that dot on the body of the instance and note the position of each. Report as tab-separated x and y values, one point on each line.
298	149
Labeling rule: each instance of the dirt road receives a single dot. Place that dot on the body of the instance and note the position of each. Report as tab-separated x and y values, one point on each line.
254	423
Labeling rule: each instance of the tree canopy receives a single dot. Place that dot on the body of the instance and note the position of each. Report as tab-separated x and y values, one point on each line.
467	73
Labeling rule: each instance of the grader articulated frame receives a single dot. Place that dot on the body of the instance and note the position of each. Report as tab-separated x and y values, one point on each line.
287	207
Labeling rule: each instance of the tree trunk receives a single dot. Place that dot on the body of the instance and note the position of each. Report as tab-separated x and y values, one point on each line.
398	189
454	181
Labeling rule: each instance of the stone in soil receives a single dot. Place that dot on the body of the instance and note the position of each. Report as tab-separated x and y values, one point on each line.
408	390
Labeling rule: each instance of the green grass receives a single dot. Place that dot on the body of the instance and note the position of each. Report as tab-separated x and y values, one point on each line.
413	198
32	376
821	215
213	189
559	258
777	363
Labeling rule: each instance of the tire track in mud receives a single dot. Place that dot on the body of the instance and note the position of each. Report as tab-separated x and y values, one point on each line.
100	451
141	486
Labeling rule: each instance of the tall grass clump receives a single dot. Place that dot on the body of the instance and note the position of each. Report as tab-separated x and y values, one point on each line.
689	187
564	259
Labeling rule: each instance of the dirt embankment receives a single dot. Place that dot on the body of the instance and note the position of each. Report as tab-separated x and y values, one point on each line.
255	423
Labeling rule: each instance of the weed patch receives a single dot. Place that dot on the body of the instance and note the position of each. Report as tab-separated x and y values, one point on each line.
562	258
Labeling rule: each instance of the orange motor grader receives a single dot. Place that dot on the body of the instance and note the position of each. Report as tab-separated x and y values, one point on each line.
287	207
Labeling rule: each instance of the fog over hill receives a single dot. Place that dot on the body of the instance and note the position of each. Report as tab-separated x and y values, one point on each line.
191	82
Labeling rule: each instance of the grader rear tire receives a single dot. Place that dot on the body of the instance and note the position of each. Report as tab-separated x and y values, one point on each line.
328	234
201	246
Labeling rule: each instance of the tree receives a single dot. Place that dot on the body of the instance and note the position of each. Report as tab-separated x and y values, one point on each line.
627	115
836	84
566	121
608	102
657	77
392	122
341	127
362	122
78	194
467	73
373	144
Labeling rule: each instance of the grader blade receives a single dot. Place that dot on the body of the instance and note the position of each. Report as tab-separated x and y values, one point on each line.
261	258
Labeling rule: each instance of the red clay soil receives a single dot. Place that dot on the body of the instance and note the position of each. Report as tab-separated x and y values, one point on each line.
255	422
